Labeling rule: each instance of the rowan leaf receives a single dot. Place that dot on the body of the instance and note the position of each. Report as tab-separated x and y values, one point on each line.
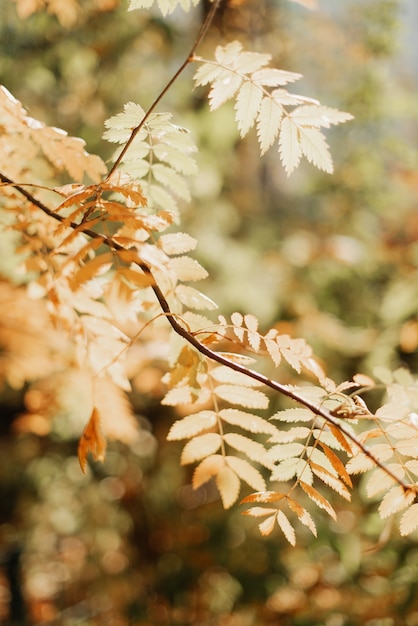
187	269
200	447
289	145
246	472
359	464
192	425
286	527
194	299
294	415
288	436
263	497
286	451
259	511
243	396
247	421
291	467
319	116
207	469
176	243
268	123
396	500
253	449
319	499
266	527
91	441
337	464
313	145
225	374
329	479
304	517
228	484
245	76
247	106
381	481
409	520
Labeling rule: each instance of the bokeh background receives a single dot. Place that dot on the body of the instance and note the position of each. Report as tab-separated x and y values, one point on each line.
331	258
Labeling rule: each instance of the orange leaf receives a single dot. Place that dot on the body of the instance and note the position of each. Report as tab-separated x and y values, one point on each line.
92	441
337	464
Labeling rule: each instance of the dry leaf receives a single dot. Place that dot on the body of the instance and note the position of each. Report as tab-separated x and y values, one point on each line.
92	441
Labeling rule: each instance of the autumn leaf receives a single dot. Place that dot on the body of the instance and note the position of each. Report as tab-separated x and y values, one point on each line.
91	441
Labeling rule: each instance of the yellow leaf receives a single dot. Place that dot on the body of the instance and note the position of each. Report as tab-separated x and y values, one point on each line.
192	425
208	468
359	464
395	500
228	484
266	527
177	243
288	436
248	421
259	511
246	472
381	481
294	415
286	527
92	441
200	447
224	374
253	449
185	268
409	520
244	396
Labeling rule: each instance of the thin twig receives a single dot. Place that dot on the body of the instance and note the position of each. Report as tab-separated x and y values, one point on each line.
190	57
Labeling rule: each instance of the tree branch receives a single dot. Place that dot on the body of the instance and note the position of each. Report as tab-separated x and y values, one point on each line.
182	331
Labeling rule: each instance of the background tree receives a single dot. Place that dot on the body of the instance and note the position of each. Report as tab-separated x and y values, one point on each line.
329	251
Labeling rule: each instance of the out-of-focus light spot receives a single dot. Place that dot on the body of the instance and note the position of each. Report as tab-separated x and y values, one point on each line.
112	488
114	562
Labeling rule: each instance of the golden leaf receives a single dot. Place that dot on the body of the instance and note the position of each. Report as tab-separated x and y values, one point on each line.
286	527
253	449
200	447
192	425
246	472
319	499
304	517
264	496
208	468
395	500
243	396
228	484
337	464
266	527
248	421
409	520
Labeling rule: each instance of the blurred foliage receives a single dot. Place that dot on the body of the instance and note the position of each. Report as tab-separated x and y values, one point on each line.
333	259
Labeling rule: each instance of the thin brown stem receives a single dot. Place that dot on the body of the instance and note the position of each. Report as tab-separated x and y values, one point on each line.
191	338
189	59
